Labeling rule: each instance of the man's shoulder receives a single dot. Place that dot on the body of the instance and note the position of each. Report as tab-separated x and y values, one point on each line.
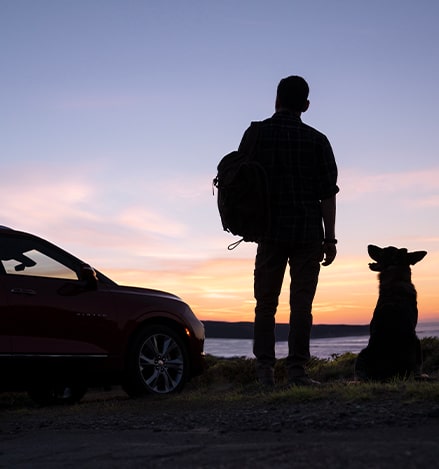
285	121
313	130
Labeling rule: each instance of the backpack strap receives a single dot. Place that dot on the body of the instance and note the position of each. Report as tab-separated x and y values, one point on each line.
234	245
250	139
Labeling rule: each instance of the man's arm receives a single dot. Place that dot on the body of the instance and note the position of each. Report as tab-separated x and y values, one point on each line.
328	207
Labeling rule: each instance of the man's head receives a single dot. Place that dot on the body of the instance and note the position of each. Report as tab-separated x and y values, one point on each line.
292	94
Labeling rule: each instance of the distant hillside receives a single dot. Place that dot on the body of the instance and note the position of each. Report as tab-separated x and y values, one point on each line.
244	330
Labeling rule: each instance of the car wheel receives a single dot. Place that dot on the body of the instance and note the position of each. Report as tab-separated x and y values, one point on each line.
157	363
57	394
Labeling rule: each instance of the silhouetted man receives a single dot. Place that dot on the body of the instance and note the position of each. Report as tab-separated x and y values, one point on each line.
302	176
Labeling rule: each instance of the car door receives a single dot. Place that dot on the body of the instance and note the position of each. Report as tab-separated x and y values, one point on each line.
51	311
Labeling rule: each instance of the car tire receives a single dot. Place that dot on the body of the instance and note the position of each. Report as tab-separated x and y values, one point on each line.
157	363
57	394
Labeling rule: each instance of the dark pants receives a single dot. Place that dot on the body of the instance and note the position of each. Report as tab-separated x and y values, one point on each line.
271	262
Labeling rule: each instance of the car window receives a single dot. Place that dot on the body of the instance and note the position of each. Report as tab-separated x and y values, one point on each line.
26	257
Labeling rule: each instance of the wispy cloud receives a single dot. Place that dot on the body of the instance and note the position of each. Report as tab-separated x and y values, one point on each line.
34	202
93	102
432	201
139	240
412	184
146	220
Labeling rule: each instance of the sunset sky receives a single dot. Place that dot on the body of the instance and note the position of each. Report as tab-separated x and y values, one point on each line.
114	115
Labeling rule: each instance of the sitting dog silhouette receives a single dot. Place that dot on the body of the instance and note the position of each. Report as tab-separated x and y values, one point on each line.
394	350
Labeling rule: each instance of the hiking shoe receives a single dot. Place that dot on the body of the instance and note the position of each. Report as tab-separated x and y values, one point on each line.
265	376
303	381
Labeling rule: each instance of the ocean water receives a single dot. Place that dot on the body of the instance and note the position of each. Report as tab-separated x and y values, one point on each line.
320	348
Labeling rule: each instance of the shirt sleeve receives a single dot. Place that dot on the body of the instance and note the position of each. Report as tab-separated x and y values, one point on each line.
328	173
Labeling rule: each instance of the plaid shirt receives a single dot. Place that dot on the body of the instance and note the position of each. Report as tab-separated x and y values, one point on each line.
301	172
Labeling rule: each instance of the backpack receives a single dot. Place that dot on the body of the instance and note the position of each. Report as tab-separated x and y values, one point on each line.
243	201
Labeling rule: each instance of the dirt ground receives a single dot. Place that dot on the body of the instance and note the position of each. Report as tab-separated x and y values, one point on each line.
108	430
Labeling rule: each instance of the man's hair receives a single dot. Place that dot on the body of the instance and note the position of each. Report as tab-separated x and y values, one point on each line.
292	93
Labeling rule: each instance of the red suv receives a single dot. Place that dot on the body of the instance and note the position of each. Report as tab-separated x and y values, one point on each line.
65	326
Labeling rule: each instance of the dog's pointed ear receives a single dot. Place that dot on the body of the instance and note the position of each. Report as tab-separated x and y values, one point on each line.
374	252
416	256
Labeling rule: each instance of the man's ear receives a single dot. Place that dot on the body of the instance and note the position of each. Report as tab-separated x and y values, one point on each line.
305	106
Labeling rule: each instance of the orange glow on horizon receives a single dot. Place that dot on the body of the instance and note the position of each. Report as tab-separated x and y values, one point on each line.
222	290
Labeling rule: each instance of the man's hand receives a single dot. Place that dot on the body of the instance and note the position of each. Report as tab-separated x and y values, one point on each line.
329	253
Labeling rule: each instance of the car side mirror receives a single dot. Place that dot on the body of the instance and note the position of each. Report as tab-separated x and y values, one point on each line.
88	275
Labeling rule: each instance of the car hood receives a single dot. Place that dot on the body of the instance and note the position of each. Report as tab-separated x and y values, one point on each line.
147	292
